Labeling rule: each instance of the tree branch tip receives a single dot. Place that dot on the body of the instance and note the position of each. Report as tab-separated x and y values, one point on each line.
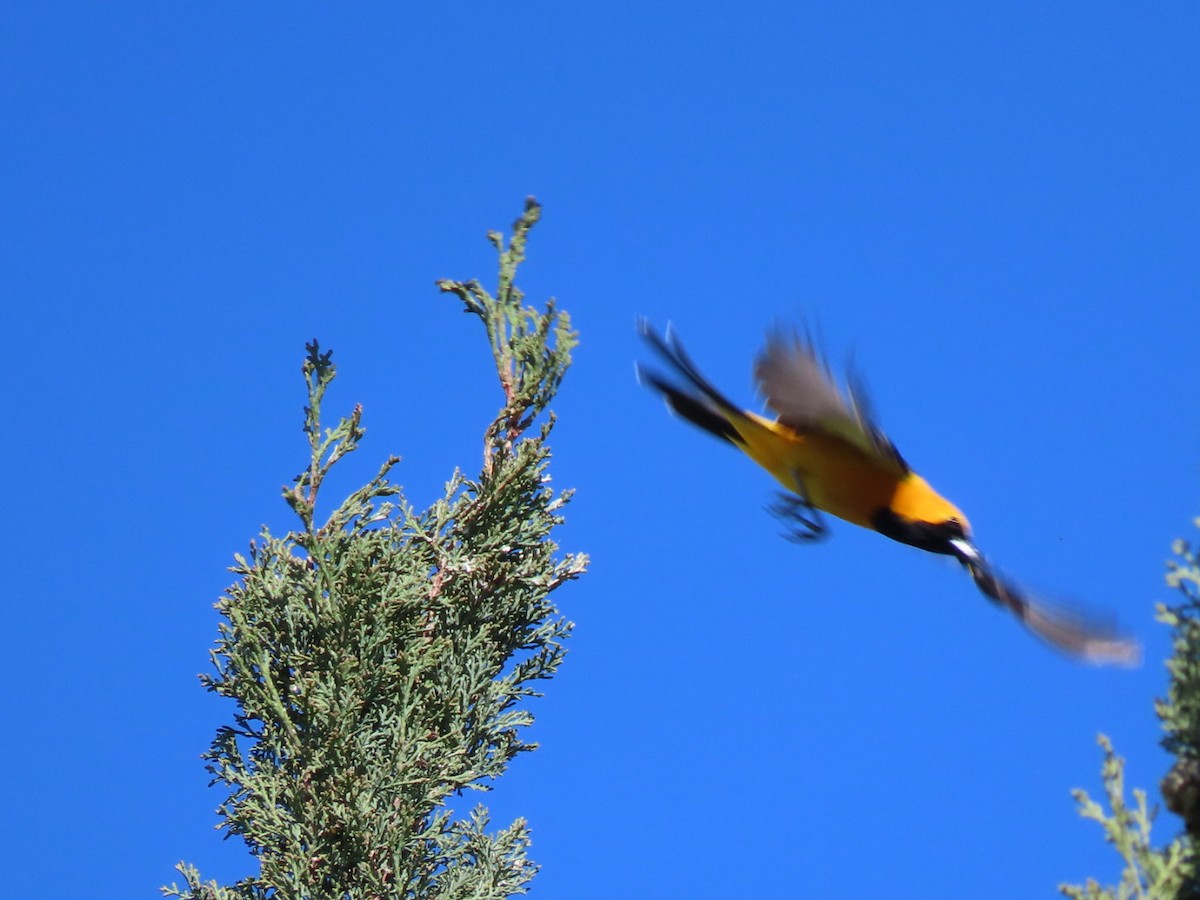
315	356
533	213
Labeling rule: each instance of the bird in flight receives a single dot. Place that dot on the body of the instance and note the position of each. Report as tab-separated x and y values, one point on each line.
824	447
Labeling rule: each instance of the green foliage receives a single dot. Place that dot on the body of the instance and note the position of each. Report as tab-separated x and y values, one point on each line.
1169	872
1148	873
1180	711
380	659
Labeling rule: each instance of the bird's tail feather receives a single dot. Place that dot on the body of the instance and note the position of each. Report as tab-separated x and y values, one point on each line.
695	410
706	407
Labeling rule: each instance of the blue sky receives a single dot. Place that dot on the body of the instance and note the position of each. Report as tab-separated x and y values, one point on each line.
992	208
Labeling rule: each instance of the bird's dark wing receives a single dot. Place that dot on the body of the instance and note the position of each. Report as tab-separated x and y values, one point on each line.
1074	632
800	389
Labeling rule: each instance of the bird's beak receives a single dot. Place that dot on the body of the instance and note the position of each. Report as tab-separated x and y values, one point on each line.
965	552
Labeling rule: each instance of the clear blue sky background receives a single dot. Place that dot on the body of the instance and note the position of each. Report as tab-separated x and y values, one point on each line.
992	207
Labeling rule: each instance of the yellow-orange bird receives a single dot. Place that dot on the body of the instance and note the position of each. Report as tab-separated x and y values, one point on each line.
825	448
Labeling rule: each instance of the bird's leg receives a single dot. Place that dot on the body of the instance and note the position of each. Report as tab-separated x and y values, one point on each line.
806	524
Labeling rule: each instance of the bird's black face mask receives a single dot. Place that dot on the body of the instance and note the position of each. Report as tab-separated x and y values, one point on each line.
934	537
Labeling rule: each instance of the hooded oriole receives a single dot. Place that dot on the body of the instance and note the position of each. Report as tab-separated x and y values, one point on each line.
825	448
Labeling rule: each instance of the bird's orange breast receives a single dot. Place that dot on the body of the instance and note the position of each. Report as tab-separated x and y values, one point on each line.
840	478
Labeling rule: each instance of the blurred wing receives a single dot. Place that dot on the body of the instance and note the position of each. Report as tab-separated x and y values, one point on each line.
800	389
1074	632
